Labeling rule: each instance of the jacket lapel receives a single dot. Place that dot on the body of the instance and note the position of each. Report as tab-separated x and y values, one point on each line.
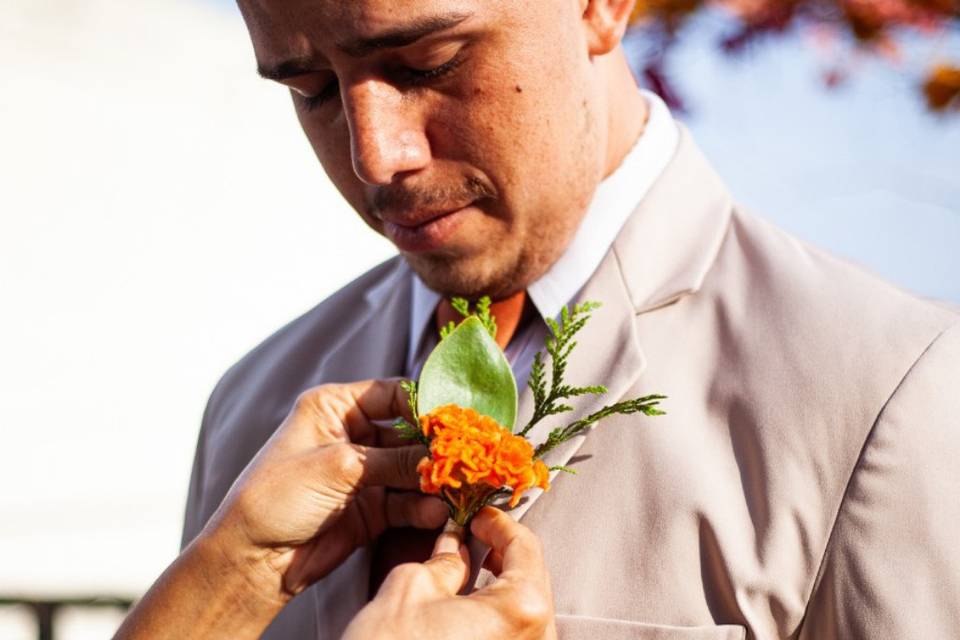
661	255
608	352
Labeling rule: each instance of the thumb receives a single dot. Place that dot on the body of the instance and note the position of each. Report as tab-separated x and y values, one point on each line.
518	548
449	564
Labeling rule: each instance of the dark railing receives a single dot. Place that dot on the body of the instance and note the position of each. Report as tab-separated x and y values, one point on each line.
45	610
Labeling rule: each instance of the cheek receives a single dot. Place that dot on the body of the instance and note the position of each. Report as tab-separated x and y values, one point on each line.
526	131
331	144
540	144
492	123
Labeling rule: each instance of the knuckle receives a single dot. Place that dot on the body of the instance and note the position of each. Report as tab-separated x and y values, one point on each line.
345	459
532	541
407	573
242	502
531	608
407	462
446	561
306	400
310	399
526	540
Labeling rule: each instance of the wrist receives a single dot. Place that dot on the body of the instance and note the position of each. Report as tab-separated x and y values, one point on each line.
211	591
241	575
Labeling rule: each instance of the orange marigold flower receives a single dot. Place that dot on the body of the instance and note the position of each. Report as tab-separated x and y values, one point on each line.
471	456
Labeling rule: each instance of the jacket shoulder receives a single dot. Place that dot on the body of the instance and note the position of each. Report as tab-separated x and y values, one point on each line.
297	346
811	353
824	299
813	345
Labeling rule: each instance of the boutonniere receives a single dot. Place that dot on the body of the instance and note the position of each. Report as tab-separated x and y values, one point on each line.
465	408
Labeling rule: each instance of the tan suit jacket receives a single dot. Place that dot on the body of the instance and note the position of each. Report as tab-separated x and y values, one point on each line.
803	485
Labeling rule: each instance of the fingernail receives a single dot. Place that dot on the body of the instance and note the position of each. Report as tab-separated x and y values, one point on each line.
453	527
449	541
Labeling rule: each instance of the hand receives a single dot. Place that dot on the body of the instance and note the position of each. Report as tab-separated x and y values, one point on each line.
315	492
421	601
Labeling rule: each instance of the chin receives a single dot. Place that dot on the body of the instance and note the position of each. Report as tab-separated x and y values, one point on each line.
468	278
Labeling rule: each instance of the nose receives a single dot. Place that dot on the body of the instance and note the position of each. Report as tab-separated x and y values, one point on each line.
387	135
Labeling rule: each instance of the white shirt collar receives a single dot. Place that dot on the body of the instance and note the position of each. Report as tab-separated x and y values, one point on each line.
616	197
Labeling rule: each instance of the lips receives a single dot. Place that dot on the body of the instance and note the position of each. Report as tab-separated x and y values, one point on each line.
415	219
423	232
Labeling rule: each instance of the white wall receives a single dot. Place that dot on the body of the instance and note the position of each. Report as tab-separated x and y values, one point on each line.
160	213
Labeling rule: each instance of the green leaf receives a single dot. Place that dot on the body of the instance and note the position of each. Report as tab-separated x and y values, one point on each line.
469	369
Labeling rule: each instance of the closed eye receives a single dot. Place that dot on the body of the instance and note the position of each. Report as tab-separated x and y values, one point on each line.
404	75
329	92
414	76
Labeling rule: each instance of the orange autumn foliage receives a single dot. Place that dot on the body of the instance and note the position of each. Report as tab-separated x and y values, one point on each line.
471	456
843	30
942	88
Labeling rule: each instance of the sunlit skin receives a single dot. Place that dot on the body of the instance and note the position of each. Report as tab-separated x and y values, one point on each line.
471	133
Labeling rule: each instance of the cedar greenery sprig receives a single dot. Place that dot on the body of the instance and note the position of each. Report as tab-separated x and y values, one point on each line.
646	405
482	311
559	346
406	430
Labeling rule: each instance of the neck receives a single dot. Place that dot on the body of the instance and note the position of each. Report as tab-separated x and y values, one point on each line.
626	109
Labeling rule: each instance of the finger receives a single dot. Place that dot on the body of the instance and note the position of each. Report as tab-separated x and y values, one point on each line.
388	436
395	468
493	562
314	561
449	569
521	595
348	412
449	540
519	549
359	524
378	400
382	433
415	510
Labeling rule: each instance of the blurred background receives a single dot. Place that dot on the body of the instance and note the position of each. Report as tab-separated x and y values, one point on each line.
161	213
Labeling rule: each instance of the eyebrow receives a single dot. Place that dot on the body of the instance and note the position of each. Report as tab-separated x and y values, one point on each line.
363	46
401	36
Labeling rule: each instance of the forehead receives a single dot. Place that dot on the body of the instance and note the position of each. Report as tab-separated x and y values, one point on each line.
279	23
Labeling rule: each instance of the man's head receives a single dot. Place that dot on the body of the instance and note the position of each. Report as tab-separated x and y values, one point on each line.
471	133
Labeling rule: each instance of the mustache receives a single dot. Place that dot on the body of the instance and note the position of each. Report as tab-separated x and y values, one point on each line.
401	197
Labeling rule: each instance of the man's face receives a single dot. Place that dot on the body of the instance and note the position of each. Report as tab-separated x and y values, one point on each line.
462	130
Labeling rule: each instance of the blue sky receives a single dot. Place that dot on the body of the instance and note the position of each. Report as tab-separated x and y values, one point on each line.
863	170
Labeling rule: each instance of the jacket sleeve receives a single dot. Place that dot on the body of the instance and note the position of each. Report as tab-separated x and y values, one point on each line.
892	565
195	516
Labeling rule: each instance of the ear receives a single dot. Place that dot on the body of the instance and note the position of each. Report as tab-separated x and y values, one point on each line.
605	22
